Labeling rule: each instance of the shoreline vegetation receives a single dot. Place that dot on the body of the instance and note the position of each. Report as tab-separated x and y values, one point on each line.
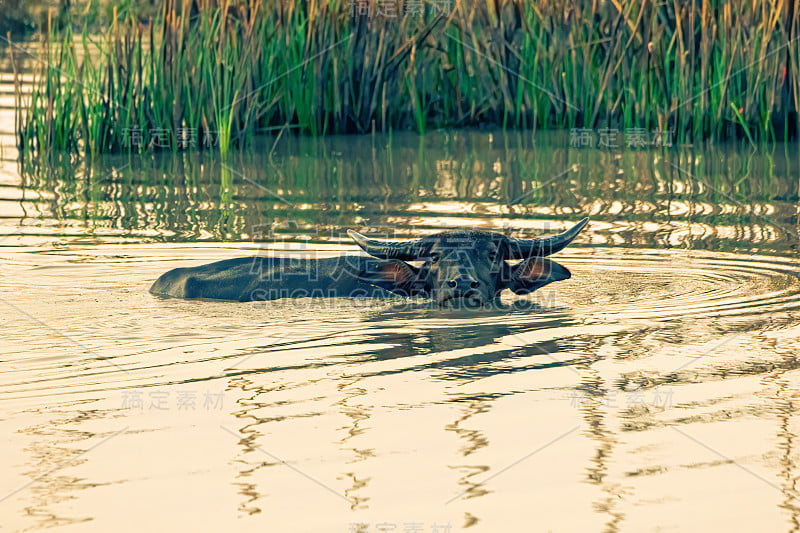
214	73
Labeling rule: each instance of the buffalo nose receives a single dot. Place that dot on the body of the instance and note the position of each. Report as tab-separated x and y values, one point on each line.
463	283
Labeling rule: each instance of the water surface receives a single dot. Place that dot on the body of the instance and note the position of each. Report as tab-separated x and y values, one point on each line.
655	390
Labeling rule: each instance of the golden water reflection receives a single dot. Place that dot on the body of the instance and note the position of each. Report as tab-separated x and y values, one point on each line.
656	388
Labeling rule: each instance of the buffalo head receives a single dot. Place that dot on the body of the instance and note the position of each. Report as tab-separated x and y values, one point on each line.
469	267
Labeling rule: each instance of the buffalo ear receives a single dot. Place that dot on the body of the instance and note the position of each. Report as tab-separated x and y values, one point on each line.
395	276
536	272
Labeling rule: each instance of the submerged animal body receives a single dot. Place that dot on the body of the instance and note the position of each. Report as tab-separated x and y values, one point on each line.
465	267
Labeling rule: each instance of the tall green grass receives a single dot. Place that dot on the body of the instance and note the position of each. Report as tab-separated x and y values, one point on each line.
219	71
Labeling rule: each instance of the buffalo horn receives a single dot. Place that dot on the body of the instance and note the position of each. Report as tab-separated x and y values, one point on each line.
405	250
525	248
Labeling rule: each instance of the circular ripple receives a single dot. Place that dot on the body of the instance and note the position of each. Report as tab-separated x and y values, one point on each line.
646	284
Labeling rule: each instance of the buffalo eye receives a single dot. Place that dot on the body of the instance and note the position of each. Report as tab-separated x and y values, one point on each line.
492	255
434	258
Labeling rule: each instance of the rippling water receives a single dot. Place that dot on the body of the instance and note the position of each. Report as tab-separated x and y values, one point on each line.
657	389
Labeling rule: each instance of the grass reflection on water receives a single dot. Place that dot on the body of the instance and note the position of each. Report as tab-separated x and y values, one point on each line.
719	198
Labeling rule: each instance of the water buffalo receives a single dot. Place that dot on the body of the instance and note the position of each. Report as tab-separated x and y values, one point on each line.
460	266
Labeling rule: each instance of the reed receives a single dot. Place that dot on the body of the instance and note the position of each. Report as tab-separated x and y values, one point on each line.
213	73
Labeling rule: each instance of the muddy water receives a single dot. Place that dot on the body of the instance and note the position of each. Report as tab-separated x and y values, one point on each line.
658	389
